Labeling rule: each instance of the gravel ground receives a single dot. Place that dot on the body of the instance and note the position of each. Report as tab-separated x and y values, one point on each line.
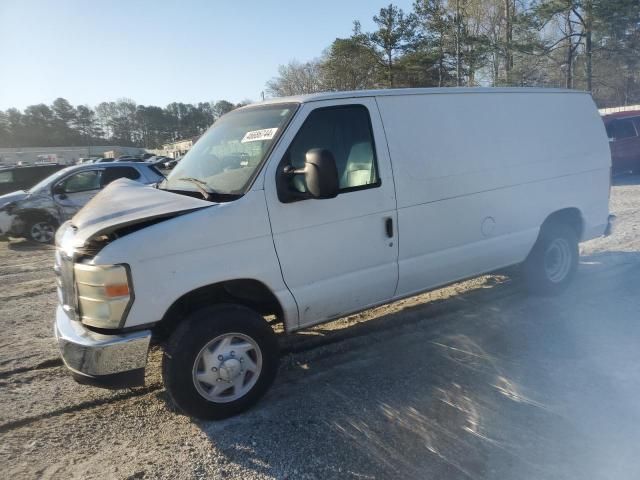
476	380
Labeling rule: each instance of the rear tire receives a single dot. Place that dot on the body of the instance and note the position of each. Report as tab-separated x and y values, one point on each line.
553	261
220	361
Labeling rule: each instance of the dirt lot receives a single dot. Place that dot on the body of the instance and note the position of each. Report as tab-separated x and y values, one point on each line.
472	381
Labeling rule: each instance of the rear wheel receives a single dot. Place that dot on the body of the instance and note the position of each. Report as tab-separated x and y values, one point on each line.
553	261
41	230
220	361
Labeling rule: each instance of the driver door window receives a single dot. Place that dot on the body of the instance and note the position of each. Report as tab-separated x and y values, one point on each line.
77	190
346	132
82	182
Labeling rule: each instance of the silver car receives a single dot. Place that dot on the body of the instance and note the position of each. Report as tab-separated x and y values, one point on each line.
36	213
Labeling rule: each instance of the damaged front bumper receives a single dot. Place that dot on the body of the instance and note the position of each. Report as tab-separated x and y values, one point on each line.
6	223
110	361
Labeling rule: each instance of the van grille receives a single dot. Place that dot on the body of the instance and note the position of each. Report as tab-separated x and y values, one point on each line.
66	283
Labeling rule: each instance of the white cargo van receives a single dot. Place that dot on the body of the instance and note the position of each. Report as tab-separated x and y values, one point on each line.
306	209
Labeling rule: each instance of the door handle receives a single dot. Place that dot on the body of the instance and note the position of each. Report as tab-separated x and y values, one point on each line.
388	225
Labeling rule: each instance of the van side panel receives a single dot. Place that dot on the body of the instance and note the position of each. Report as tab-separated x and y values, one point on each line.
478	173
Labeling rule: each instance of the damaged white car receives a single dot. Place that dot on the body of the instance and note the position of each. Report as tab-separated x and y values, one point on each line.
36	213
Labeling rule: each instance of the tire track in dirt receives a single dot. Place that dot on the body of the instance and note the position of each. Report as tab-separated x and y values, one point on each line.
49	363
28	294
7	271
28	284
125	395
28	279
13	259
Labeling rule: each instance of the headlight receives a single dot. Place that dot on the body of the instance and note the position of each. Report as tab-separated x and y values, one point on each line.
104	293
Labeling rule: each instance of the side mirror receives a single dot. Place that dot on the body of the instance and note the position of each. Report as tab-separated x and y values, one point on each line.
60	191
321	174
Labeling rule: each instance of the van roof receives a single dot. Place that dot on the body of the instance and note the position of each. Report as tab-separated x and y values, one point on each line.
314	97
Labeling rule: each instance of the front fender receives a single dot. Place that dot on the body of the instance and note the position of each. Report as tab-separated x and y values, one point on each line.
23	216
213	245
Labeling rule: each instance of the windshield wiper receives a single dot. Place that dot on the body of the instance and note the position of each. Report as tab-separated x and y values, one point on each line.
201	185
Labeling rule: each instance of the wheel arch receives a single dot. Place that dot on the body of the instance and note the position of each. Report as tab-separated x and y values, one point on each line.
248	292
570	216
30	214
24	217
538	278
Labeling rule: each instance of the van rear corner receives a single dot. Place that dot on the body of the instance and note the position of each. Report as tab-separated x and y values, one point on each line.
603	227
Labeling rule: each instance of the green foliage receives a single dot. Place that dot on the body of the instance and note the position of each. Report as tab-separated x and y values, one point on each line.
435	36
586	44
220	108
122	122
350	64
396	34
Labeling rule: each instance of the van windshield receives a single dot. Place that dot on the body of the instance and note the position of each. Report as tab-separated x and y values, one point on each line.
229	155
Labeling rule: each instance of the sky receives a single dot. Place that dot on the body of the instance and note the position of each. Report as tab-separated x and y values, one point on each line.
158	52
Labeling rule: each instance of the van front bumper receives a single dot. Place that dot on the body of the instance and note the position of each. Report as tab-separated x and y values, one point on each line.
109	361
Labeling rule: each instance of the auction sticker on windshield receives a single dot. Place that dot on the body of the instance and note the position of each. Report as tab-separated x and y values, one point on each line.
256	135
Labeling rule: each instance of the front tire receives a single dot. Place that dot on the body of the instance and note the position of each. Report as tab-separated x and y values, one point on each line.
220	361
41	230
553	261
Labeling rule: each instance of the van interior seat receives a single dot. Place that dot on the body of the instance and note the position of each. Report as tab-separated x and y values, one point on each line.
359	168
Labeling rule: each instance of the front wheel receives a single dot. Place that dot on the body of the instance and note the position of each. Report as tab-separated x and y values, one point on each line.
553	261
41	231
220	361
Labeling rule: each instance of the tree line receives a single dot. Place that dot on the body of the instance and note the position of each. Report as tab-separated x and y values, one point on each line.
591	45
122	122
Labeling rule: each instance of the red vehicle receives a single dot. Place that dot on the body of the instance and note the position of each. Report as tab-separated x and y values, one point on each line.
623	129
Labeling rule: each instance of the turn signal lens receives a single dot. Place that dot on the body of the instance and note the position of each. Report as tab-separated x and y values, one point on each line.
116	290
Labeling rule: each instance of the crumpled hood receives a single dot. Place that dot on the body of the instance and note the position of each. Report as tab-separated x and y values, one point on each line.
12	197
126	202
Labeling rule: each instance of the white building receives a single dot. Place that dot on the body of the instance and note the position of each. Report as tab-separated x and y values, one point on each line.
64	155
179	148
